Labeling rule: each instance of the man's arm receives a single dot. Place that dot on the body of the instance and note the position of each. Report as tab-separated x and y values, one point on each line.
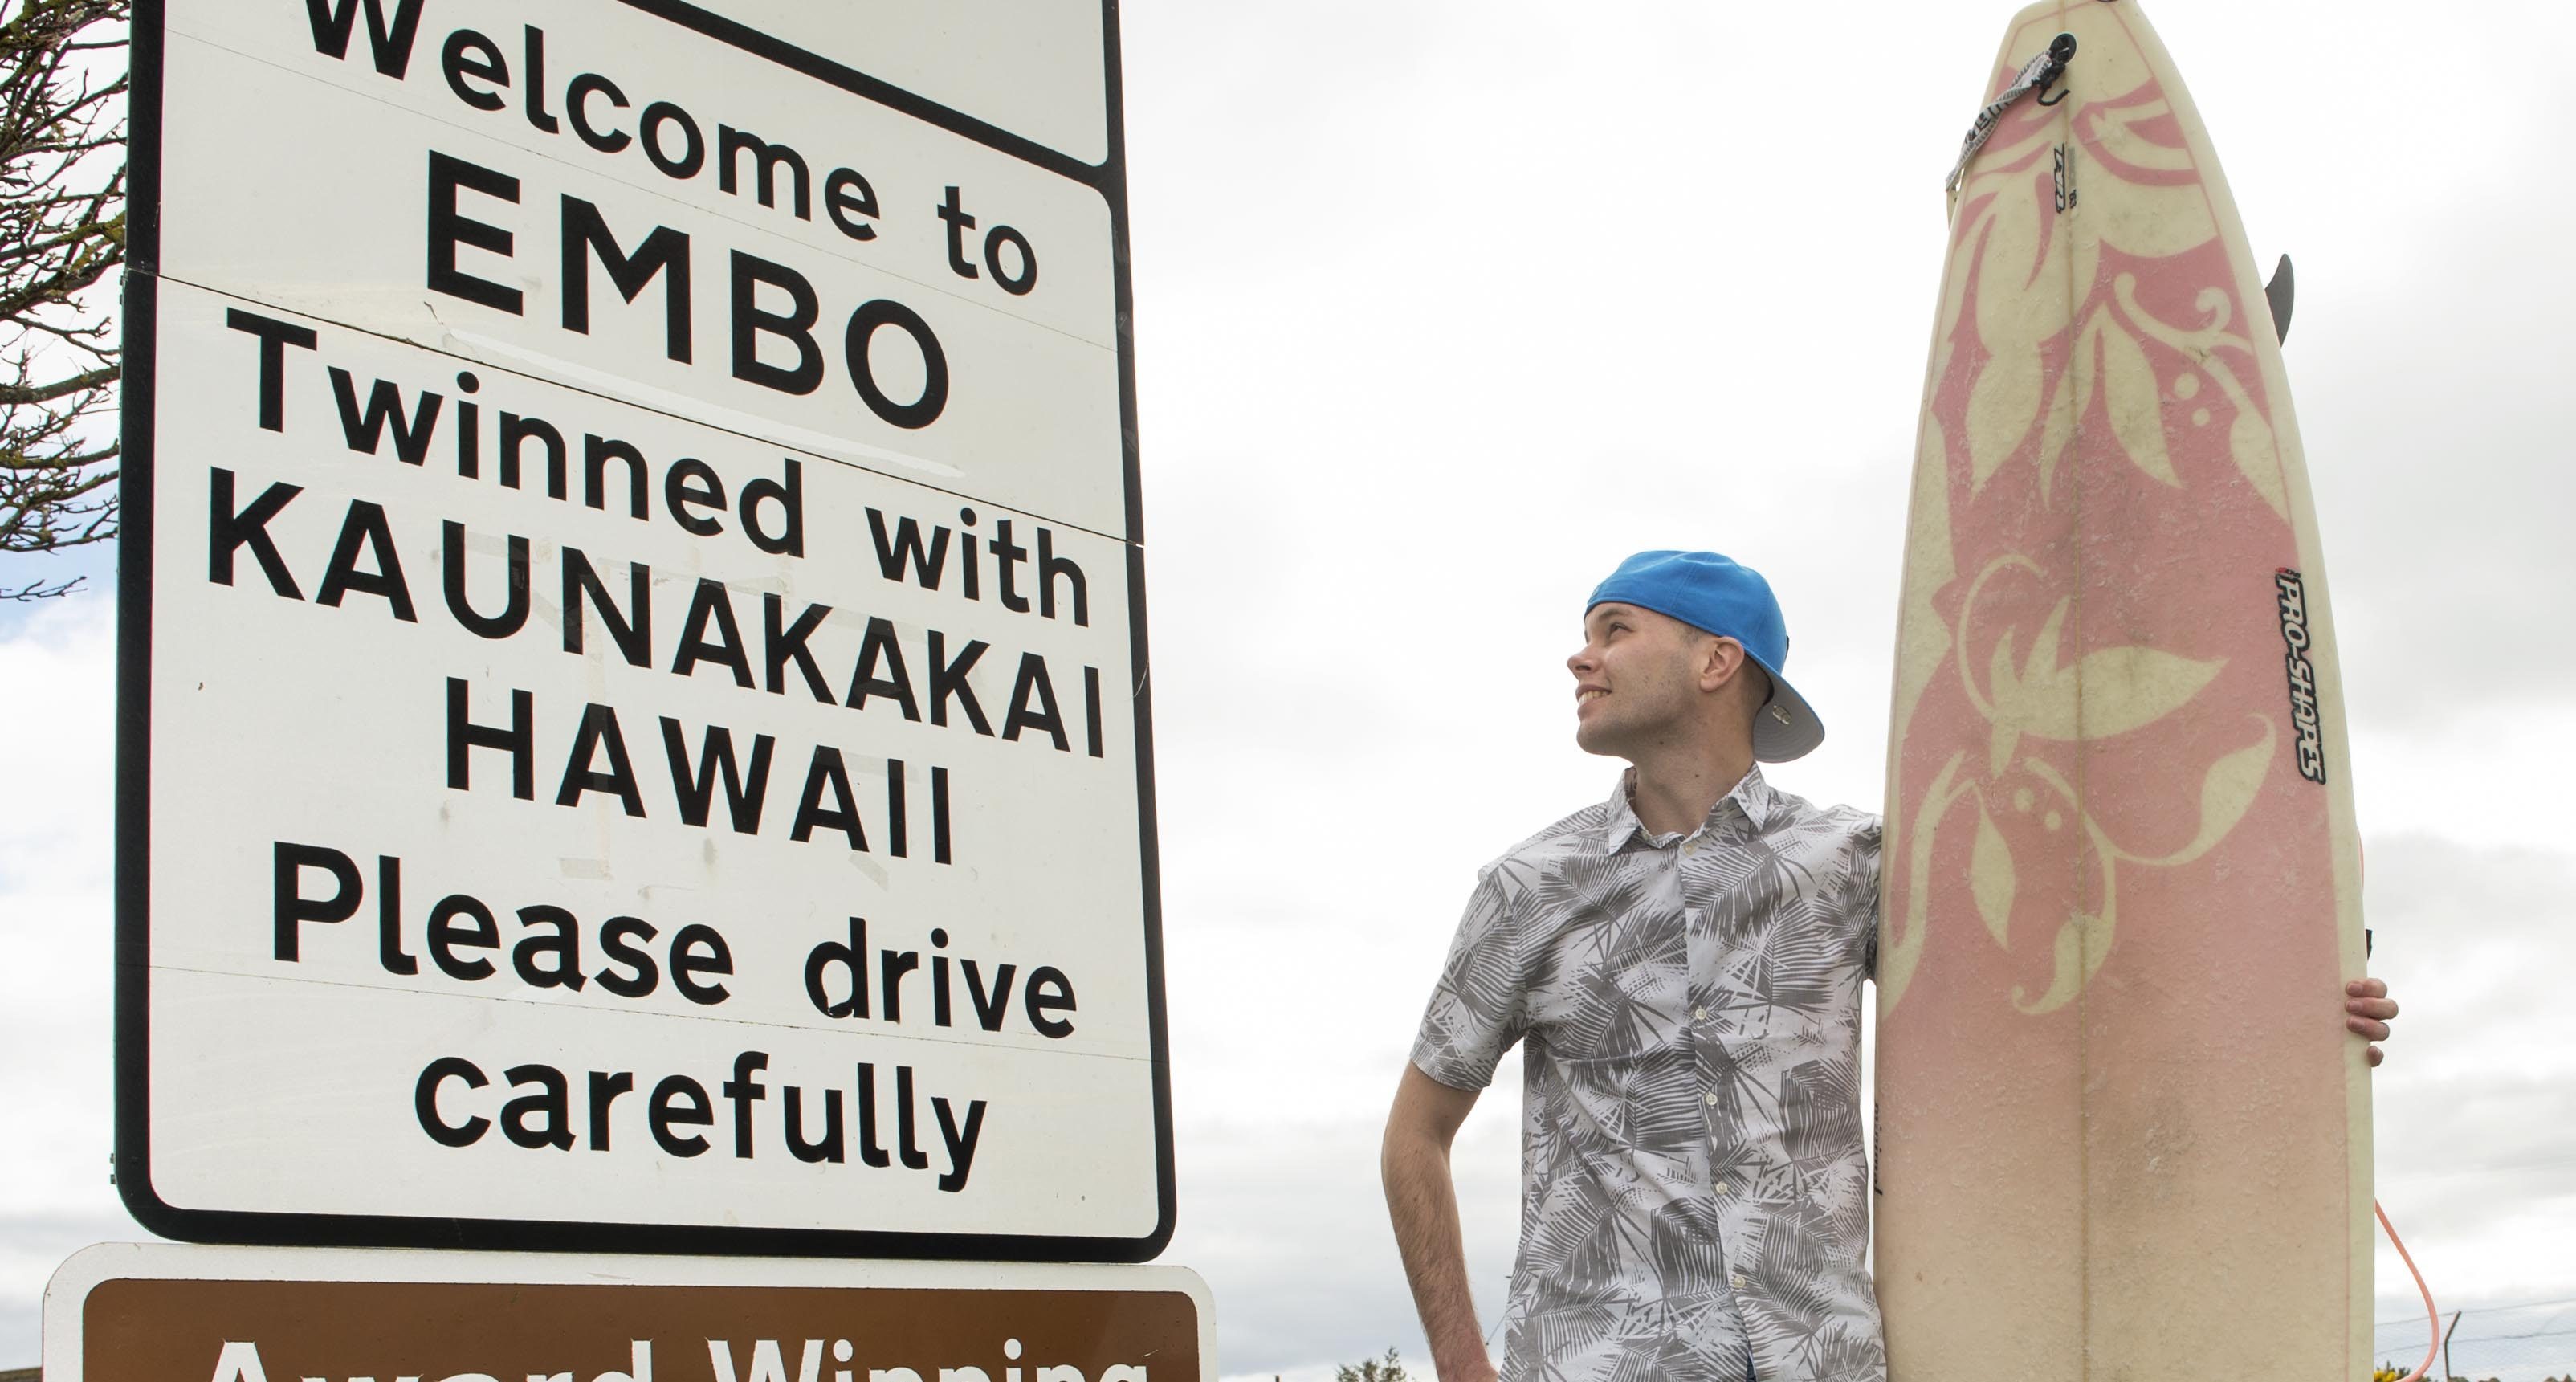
1423	1201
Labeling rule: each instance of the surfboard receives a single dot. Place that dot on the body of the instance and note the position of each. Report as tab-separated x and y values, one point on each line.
2121	1130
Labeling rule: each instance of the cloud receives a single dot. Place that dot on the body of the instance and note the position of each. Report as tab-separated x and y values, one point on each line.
57	681
2477	1103
1283	1216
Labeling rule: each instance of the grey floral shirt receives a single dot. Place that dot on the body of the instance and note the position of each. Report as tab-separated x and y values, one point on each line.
1693	1189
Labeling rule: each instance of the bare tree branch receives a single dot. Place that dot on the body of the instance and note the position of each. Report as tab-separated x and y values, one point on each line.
11	396
63	83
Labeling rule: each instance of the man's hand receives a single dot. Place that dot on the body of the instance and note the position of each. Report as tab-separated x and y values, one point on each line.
2367	1008
1423	1202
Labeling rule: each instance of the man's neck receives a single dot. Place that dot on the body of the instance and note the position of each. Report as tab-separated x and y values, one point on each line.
1675	792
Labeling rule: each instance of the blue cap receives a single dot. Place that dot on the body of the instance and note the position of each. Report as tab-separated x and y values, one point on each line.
1715	595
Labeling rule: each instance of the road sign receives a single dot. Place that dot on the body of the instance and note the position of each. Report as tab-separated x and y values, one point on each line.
134	1312
633	720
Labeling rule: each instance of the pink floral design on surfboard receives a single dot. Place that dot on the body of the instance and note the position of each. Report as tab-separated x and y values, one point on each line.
2099	414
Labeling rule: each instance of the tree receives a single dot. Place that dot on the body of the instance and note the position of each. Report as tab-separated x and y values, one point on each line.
62	231
1371	1370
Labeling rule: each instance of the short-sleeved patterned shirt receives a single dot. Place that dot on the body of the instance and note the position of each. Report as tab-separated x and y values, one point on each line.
1693	1188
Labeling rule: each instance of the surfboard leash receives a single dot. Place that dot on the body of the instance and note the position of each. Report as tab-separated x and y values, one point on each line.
2037	75
2430	1313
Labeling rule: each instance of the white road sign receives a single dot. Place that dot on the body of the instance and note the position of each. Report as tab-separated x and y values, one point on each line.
633	703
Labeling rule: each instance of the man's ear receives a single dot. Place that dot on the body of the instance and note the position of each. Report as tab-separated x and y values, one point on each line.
1722	660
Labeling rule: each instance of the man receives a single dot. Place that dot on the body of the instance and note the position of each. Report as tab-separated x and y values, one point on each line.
1639	946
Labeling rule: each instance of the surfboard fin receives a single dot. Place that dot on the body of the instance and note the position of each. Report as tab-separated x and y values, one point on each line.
2278	293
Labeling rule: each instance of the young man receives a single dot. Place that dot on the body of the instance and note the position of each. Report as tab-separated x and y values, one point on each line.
1686	1214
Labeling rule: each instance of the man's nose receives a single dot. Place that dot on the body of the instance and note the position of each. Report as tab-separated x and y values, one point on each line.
1581	660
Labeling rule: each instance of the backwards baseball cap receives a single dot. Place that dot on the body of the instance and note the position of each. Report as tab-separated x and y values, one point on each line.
1715	595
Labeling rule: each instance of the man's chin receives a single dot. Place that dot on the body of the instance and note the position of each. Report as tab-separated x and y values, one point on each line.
1598	739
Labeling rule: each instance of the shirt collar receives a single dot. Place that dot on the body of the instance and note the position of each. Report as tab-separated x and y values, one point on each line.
1752	797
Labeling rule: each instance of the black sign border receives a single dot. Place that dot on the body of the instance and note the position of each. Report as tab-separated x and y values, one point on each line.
133	1158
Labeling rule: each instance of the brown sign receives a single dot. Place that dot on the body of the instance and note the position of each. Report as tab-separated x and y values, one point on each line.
174	1329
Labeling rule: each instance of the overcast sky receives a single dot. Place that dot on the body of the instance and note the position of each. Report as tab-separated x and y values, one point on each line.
1441	309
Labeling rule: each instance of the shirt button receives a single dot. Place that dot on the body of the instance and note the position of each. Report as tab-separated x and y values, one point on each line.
1709	1098
1723	1189
1735	1279
1699	1014
1690	846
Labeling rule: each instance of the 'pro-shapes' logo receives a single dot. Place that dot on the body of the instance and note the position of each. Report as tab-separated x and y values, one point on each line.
2303	675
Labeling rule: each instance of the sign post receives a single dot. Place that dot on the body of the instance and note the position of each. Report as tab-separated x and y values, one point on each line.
633	721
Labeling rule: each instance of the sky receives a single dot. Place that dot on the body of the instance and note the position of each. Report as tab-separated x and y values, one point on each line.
1440	310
